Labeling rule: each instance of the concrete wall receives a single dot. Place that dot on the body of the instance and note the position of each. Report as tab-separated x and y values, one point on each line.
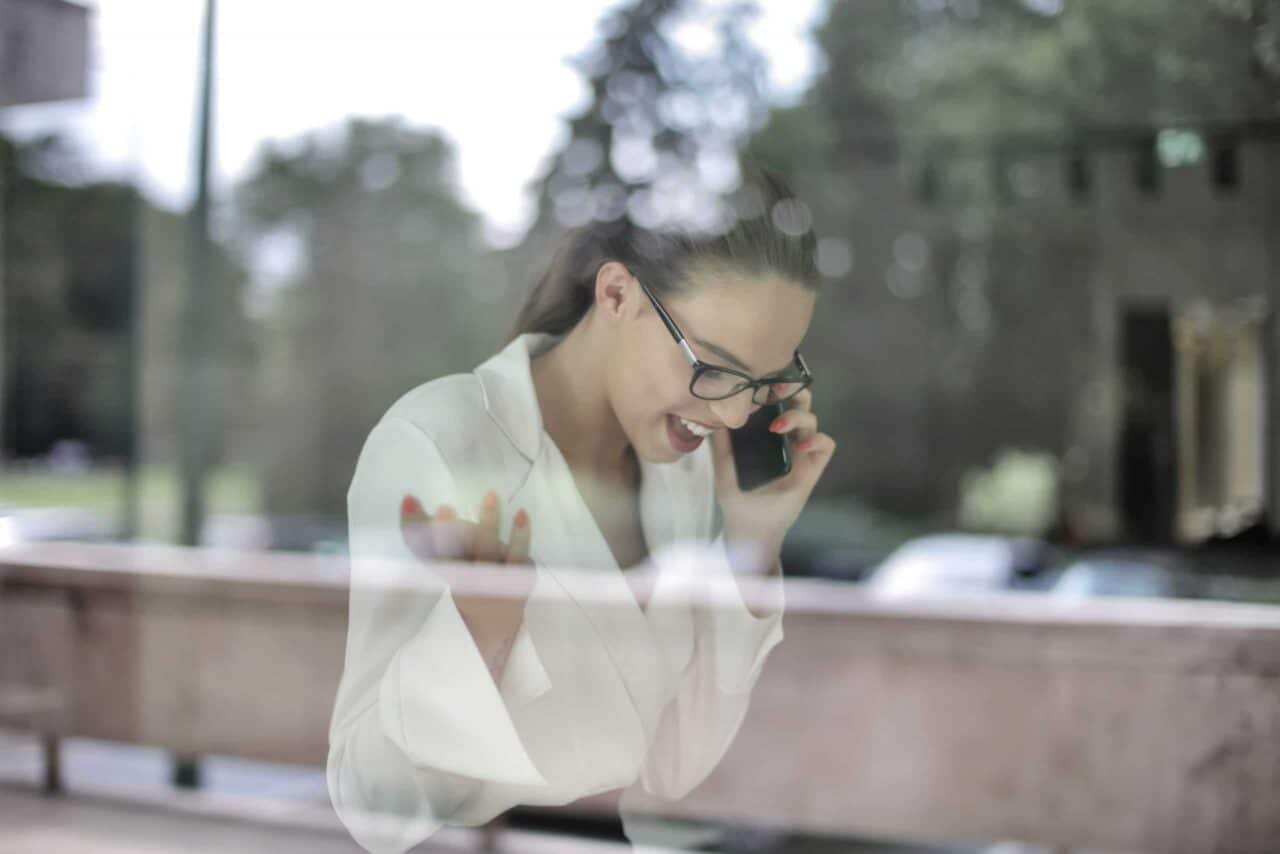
1140	726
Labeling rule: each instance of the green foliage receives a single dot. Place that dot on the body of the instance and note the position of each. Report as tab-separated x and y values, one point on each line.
391	287
1017	495
792	139
952	79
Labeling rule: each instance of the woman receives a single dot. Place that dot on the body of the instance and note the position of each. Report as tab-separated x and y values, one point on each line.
594	445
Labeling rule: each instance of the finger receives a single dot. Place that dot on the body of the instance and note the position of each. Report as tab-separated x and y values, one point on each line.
521	533
488	546
796	424
726	476
411	510
812	456
414	526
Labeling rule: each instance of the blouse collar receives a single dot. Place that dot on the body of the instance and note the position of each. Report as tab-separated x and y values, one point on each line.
506	383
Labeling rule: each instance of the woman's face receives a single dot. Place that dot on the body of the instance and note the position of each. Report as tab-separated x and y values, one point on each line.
752	324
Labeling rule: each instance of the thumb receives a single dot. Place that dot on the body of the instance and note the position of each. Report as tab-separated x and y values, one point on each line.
726	474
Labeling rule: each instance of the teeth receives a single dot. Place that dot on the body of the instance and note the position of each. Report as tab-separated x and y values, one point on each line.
695	429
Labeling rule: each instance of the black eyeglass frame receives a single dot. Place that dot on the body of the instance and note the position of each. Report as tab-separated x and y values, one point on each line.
700	367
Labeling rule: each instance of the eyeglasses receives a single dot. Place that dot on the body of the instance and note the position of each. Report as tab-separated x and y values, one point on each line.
715	382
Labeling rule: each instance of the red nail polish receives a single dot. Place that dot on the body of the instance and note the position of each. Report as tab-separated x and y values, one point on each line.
410	505
803	446
777	422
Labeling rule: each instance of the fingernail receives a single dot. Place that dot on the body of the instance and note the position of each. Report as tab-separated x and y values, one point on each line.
803	446
777	423
410	505
522	518
444	511
491	500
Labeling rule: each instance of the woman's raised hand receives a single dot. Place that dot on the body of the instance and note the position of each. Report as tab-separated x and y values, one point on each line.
443	536
493	624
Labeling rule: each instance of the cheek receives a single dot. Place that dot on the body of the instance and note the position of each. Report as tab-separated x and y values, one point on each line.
649	393
649	379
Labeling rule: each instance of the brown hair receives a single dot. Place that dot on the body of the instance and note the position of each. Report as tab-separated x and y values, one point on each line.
771	234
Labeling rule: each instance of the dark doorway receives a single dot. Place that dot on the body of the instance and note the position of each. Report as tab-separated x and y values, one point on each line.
1146	459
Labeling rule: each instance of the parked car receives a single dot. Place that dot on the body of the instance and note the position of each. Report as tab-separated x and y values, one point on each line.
841	539
1123	576
960	563
37	524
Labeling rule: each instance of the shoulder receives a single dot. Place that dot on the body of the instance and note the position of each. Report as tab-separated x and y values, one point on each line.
450	412
442	406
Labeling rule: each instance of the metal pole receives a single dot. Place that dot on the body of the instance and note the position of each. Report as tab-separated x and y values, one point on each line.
4	338
196	388
131	369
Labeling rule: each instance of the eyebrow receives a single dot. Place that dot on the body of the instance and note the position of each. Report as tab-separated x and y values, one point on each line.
735	361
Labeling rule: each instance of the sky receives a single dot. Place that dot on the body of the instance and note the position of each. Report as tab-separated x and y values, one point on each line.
285	67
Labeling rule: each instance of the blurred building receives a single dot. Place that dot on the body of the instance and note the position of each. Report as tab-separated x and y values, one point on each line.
1117	311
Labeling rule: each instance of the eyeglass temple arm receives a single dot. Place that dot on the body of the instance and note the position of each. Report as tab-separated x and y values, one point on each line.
675	333
671	324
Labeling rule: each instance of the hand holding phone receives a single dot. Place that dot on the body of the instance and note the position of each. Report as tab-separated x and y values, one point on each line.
764	478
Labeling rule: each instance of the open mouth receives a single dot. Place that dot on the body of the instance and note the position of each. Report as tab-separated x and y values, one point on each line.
682	439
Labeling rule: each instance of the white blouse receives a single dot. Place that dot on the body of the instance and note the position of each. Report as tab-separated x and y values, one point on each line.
598	692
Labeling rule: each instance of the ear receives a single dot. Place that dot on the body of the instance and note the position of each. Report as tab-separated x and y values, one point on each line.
616	291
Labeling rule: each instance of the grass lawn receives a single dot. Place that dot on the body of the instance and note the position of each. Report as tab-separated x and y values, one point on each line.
232	489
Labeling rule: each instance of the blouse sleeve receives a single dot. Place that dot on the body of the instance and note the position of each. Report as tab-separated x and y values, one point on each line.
419	726
730	645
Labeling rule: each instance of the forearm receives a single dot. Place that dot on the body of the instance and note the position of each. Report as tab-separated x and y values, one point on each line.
494	633
752	555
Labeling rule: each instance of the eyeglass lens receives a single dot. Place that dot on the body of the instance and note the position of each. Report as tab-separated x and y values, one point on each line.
713	385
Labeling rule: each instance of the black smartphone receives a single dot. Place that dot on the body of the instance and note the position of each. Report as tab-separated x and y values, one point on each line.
759	455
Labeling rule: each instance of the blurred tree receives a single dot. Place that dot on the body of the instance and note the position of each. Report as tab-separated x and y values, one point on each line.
163	293
379	283
1007	68
1263	16
675	87
72	248
974	74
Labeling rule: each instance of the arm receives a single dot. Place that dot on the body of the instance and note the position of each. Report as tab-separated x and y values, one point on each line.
730	645
418	726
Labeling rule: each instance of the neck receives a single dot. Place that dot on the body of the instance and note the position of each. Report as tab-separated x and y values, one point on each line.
571	384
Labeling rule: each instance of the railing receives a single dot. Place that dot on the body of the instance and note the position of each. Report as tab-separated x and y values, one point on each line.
1136	726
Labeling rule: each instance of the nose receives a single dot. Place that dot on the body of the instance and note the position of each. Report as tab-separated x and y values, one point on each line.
734	411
